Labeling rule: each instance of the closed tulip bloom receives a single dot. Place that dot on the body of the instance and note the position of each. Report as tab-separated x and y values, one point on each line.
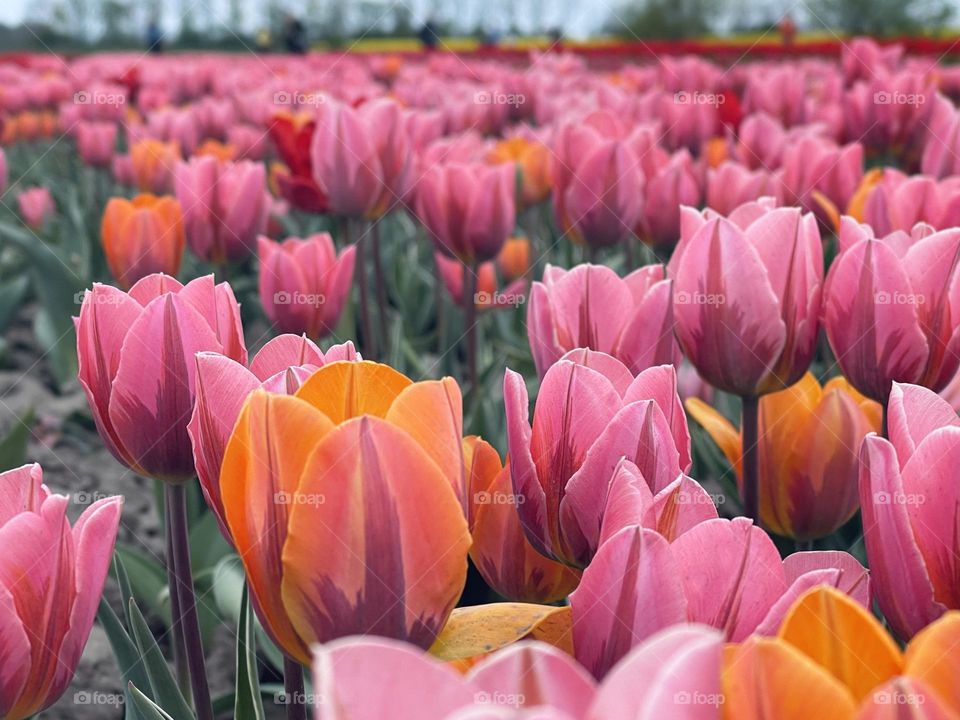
532	161
225	206
731	185
897	201
909	495
292	135
136	352
891	309
51	578
512	264
505	558
468	209
153	162
361	459
809	440
673	185
222	386
96	142
36	206
141	237
304	283
591	307
590	413
746	296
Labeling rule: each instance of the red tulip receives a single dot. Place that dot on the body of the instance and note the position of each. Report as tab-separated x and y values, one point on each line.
303	283
292	135
137	365
51	578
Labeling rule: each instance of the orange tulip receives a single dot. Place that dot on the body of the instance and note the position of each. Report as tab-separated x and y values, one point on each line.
513	262
153	163
142	236
808	442
345	502
503	555
532	160
221	151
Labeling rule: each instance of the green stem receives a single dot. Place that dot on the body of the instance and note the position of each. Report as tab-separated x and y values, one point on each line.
751	457
293	689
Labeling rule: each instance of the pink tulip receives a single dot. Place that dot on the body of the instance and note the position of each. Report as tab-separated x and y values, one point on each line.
137	367
746	296
468	209
731	185
36	206
813	166
891	309
225	206
591	307
590	413
222	386
724	573
304	283
862	58
250	142
96	142
761	142
51	578
900	201
673	185
909	495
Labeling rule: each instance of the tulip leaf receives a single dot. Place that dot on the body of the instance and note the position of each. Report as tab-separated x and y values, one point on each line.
124	649
207	546
146	708
13	447
147	580
248	705
162	682
12	293
229	583
475	631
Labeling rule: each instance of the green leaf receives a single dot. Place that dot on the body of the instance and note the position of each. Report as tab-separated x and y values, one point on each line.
13	447
229	583
164	686
12	292
146	708
207	546
147	580
249	705
124	649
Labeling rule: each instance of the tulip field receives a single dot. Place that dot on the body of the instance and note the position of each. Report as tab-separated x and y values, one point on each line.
438	386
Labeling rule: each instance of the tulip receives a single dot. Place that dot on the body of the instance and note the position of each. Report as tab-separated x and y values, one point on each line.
731	185
909	498
760	142
591	307
304	283
746	299
513	265
153	163
820	176
673	185
36	206
532	161
887	309
136	355
362	459
809	468
590	413
141	237
222	385
723	573
223	152
96	142
899	202
292	135
501	552
51	578
225	206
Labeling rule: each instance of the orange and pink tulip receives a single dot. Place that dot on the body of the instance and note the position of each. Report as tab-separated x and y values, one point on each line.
141	237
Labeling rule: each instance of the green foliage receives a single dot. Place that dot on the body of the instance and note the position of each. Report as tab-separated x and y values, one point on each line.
880	17
667	19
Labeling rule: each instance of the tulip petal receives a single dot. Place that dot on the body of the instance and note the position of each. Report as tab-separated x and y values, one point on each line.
285	351
933	659
840	635
721	430
905	698
607	365
14	653
659	384
345	390
913	413
21	490
681	505
853	579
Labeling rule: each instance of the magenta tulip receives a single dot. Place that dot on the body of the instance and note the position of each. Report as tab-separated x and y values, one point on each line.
51	578
731	185
591	307
137	365
590	413
304	283
746	296
892	309
673	185
36	206
225	206
909	494
899	202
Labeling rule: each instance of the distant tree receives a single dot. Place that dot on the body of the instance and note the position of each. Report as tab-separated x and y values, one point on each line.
881	17
667	19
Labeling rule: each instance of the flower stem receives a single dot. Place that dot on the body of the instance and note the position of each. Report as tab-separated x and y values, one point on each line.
751	457
368	341
381	283
176	629
470	324
187	619
293	689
